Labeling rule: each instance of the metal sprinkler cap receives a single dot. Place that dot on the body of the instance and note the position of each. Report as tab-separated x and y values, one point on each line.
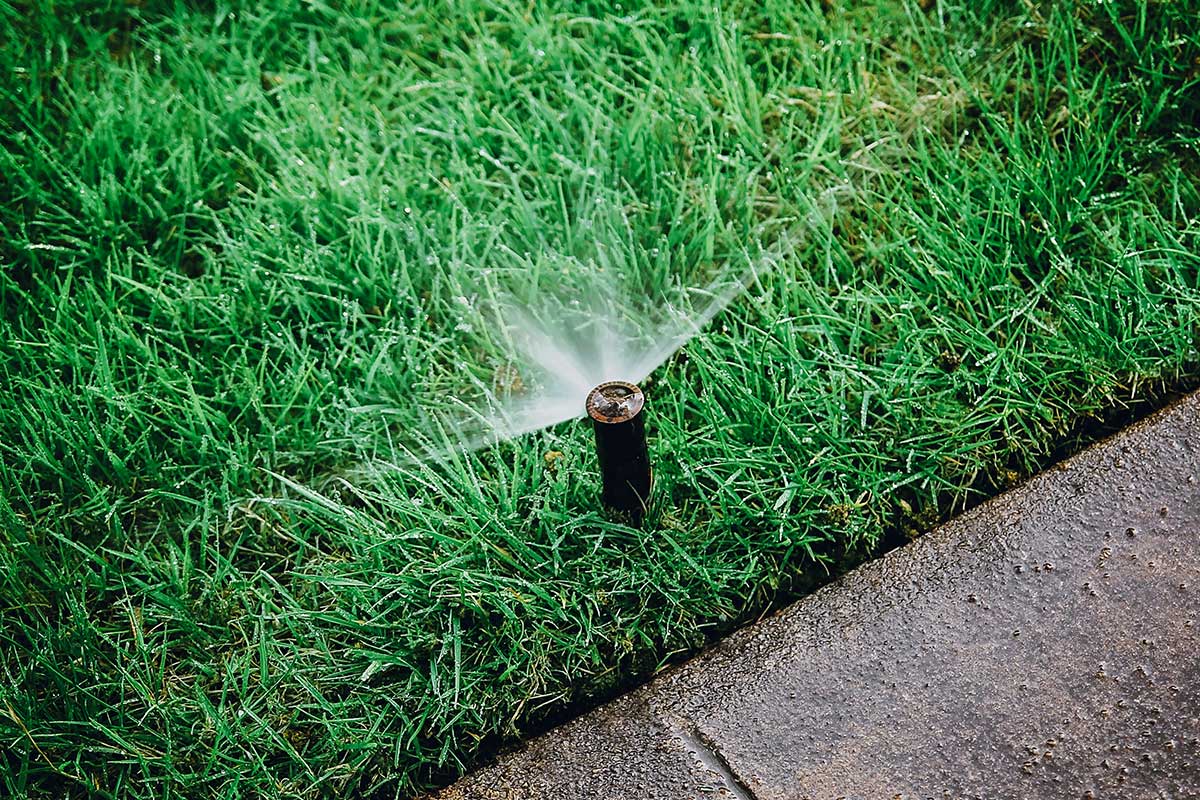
614	402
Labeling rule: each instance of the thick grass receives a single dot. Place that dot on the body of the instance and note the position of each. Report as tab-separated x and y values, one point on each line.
238	243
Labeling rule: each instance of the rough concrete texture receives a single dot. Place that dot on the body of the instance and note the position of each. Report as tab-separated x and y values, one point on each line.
1042	645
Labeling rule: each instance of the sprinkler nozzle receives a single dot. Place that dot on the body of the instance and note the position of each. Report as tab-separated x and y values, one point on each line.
616	411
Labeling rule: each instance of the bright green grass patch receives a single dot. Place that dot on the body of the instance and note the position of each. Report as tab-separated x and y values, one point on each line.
238	240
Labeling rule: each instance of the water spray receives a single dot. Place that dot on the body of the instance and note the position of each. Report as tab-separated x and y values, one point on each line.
616	411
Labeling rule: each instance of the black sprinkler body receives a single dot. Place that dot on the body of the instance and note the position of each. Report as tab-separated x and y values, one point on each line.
616	409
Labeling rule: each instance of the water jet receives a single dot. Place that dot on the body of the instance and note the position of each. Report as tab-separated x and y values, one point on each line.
616	409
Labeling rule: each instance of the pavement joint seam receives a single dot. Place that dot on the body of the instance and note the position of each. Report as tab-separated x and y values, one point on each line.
709	755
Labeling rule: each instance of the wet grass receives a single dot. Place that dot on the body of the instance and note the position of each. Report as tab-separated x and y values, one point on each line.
238	240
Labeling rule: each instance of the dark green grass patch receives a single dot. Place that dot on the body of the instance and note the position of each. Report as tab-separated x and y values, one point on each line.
238	243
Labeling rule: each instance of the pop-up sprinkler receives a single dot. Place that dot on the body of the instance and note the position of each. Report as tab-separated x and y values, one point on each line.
616	411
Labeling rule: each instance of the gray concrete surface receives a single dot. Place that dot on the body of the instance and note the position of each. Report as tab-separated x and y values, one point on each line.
1043	645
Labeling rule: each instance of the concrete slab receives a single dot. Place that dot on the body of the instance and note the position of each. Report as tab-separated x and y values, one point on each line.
1045	644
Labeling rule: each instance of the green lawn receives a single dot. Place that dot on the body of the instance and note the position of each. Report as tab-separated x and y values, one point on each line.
247	246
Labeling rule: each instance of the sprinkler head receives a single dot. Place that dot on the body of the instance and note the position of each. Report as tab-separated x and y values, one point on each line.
619	424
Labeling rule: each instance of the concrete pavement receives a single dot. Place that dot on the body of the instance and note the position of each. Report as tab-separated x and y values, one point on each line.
1044	644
